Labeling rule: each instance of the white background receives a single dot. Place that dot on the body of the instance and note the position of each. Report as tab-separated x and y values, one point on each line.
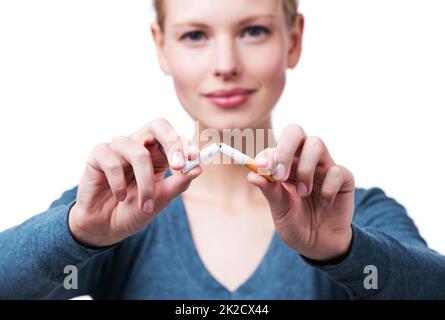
371	84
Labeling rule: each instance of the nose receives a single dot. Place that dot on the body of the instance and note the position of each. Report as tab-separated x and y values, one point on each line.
226	63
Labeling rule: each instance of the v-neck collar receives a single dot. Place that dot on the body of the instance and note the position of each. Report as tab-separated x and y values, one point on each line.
190	260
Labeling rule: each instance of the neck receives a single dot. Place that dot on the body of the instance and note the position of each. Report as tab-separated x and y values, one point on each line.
224	181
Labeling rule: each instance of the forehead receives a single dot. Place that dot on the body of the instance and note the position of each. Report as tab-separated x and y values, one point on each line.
216	11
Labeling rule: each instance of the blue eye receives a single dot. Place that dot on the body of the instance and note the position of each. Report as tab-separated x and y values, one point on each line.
256	31
193	35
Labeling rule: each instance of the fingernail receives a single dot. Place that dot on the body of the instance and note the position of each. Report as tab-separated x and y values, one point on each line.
177	159
280	172
325	203
261	160
148	206
301	189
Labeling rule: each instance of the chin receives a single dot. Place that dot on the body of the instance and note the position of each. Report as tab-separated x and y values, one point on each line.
251	115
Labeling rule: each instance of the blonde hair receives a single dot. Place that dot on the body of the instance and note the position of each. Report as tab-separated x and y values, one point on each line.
290	9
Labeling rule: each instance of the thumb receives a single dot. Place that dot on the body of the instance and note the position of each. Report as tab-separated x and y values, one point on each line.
275	193
173	186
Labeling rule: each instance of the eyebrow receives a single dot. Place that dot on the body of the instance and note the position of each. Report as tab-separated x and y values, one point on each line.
203	25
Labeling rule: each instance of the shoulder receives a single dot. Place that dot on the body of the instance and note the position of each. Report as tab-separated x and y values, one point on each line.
372	204
372	196
65	198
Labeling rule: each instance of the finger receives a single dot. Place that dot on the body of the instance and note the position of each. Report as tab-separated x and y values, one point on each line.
314	161
173	186
289	144
190	151
160	130
265	161
102	158
337	179
139	158
276	195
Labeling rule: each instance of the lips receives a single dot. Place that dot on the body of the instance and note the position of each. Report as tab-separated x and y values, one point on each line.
230	98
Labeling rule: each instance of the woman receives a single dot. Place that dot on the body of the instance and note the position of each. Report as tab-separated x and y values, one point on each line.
137	227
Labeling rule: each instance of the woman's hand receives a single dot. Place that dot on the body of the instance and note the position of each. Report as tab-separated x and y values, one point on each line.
123	186
312	200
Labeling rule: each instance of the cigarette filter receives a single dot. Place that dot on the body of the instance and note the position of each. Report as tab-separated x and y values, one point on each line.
241	158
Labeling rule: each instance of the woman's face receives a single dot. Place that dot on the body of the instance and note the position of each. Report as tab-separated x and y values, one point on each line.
228	59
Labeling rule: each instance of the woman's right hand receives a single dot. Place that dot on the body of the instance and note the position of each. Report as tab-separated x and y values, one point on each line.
123	185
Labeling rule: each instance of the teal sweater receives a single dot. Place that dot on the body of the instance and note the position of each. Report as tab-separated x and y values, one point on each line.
161	261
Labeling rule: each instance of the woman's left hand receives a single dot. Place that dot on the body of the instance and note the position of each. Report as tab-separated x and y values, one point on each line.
312	198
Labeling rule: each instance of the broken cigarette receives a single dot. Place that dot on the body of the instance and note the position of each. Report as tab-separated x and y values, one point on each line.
241	158
205	155
237	156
